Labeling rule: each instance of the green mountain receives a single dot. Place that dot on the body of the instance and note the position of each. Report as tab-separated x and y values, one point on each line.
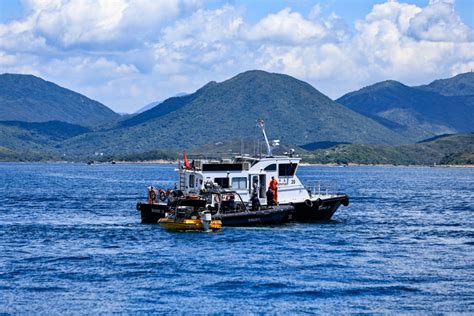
35	141
459	85
457	149
449	149
53	130
294	112
220	118
416	113
31	99
8	155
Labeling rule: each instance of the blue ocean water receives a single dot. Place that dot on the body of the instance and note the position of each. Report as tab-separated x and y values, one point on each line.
71	242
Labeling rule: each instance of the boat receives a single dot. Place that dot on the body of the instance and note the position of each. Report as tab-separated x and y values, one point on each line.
250	176
190	214
231	210
152	212
158	204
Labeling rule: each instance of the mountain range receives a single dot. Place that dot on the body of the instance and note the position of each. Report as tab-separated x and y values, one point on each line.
31	99
295	112
444	106
41	117
447	150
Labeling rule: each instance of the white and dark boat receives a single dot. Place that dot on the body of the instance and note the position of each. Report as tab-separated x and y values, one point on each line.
248	175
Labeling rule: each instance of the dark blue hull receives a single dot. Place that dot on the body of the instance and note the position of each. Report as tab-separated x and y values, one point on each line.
318	210
303	211
272	216
151	213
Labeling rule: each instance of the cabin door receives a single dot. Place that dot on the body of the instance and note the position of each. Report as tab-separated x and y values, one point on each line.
263	183
258	183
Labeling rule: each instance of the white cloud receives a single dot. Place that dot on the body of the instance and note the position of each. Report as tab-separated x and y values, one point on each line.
392	42
200	42
439	23
102	22
286	27
127	53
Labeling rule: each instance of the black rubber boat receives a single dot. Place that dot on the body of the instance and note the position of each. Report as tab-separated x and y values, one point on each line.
151	213
219	204
271	216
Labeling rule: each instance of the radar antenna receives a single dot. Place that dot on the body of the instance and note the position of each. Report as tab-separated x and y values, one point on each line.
261	124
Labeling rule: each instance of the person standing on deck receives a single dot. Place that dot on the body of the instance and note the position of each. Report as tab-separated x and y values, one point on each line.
274	188
270	200
255	202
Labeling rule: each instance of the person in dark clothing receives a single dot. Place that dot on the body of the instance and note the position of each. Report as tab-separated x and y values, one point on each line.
232	202
270	201
255	202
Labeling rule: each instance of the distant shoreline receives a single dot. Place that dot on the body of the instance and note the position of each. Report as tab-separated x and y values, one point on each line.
162	161
382	165
151	162
305	164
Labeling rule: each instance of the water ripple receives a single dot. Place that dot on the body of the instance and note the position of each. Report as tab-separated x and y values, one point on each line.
71	232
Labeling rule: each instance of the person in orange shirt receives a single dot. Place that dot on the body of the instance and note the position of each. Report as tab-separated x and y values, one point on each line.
274	188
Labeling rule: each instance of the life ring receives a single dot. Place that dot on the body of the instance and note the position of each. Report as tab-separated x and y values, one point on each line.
162	195
319	202
217	198
308	203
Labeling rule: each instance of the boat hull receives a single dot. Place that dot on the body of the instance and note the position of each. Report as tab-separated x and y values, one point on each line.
301	211
321	209
151	213
274	216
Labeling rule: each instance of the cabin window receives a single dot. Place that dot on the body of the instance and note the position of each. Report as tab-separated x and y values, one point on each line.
239	183
222	167
287	169
191	180
272	167
222	182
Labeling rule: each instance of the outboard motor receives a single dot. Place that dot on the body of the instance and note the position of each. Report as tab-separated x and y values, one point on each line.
206	218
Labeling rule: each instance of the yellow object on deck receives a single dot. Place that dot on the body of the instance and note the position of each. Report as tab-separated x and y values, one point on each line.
188	224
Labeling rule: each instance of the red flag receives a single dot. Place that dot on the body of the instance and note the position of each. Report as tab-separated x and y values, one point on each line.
186	162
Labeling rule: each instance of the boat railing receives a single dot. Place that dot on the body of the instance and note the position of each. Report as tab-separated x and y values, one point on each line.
321	187
211	157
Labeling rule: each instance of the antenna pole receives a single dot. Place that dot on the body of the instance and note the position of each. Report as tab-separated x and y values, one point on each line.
262	127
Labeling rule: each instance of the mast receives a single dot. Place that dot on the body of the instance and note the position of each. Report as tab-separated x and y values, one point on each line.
260	124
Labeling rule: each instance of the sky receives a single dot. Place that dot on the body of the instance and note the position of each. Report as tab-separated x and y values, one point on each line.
128	53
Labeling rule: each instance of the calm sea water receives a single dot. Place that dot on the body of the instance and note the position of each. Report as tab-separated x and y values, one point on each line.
71	242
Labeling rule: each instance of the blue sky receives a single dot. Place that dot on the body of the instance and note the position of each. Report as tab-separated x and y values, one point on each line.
128	53
349	10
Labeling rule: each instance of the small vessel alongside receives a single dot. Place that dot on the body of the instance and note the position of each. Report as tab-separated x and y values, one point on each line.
158	204
189	215
231	210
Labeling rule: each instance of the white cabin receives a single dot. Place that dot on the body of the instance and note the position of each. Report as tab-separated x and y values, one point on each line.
243	173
